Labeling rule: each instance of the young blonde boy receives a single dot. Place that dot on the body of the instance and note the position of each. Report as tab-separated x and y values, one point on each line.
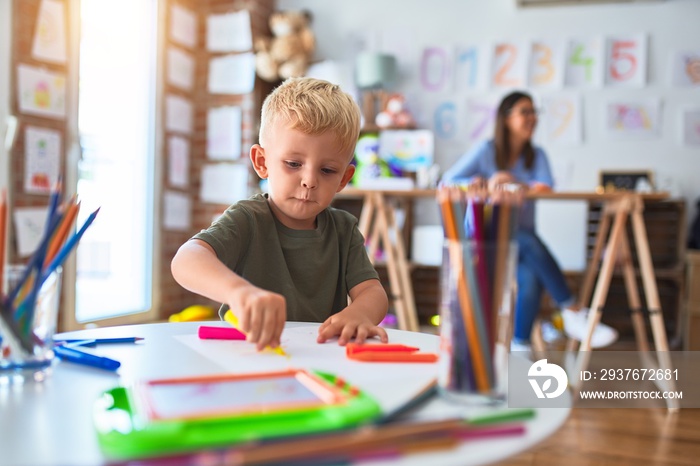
286	254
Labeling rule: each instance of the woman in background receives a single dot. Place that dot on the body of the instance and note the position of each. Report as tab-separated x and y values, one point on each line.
510	157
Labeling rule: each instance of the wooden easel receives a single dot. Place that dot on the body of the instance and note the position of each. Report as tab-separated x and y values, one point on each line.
378	225
618	210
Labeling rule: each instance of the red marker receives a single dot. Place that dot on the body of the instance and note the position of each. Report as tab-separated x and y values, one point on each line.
220	333
393	357
353	348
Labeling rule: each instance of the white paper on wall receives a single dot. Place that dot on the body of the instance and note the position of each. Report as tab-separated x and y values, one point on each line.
41	92
178	161
229	32
626	61
183	26
178	114
224	133
640	119
480	117
232	74
177	211
29	228
562	122
224	183
472	65
509	65
50	34
547	64
584	62
42	152
691	127
685	68
180	68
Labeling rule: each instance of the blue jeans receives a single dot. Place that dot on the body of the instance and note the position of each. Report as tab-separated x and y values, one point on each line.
537	271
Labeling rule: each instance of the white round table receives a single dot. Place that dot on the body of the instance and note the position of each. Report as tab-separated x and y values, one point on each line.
50	423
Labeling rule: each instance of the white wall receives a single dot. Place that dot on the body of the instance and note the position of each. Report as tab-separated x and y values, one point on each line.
343	27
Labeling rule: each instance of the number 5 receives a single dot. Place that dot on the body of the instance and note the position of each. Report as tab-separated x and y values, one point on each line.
618	70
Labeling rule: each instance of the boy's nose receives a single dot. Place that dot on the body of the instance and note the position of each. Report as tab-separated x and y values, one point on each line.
308	181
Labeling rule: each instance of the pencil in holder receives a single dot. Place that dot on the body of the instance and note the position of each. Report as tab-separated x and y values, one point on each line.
477	292
27	332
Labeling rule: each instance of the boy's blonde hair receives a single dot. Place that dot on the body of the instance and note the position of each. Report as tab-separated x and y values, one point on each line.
312	106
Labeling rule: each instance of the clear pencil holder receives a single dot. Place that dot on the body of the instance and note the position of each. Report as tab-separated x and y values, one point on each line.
476	308
27	332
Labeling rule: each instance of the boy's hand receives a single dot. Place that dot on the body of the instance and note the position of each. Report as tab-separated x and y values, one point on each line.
261	314
347	324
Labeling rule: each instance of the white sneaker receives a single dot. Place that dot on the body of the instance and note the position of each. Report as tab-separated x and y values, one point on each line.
576	324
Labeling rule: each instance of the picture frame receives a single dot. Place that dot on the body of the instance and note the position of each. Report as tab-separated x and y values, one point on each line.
625	180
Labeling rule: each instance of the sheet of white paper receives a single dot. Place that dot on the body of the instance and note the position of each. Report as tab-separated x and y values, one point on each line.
480	117
183	26
177	211
299	342
562	118
29	227
229	32
178	161
472	67
509	65
626	61
224	183
584	62
232	74
408	150
41	92
639	119
224	133
180	68
547	60
42	152
178	114
691	127
685	68
50	33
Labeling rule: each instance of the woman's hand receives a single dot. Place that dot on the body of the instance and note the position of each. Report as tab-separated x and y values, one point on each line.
500	177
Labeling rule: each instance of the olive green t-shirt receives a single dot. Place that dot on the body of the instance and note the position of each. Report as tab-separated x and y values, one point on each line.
313	269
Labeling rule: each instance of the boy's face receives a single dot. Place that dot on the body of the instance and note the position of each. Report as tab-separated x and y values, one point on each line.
303	171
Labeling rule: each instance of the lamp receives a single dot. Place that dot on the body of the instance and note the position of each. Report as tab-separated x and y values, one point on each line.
374	72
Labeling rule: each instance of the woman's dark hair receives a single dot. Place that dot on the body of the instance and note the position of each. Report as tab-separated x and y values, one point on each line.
501	137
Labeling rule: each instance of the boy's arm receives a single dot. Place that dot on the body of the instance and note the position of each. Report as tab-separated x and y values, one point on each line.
361	318
261	313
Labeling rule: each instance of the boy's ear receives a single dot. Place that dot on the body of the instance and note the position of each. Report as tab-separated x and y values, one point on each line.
257	156
347	176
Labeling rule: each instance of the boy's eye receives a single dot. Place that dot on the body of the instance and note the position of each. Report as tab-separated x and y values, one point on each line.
328	171
292	164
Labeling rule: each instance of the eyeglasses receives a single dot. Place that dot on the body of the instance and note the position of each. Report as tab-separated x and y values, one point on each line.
526	112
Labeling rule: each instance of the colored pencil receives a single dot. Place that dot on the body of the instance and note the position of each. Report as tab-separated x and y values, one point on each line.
3	224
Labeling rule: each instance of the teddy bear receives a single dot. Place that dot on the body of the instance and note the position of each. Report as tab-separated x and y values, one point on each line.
395	114
288	52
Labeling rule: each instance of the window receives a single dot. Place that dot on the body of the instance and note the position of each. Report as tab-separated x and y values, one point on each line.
117	127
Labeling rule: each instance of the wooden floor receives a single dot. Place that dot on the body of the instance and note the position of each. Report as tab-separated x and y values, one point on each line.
633	436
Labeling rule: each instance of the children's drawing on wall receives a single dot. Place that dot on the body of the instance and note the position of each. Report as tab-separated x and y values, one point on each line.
584	62
183	26
435	69
224	133
561	113
685	68
691	127
480	117
626	61
41	92
42	155
180	71
547	64
229	32
178	161
445	120
178	114
407	150
633	120
471	67
50	35
509	65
